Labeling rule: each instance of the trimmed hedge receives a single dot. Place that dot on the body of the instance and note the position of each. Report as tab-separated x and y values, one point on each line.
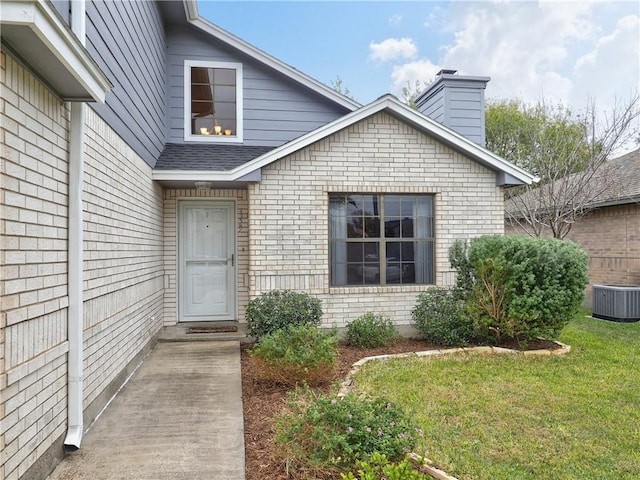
278	309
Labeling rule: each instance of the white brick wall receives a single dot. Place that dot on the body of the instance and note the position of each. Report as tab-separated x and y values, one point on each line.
171	199
33	322
288	223
123	257
123	263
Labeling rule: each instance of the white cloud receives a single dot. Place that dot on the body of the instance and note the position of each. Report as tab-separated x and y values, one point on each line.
422	70
395	20
559	51
612	67
523	46
437	19
392	49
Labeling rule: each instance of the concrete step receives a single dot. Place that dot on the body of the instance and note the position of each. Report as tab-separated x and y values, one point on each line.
180	333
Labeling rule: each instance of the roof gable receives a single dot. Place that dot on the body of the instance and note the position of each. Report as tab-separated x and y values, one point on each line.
193	17
506	172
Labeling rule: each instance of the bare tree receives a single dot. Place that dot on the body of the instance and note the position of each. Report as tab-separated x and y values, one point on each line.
571	156
338	86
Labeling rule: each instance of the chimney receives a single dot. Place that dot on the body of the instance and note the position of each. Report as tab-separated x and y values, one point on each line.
456	101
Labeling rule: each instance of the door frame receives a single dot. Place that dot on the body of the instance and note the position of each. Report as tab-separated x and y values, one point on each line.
232	283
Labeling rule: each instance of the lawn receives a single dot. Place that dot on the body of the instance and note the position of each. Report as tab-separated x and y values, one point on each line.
514	417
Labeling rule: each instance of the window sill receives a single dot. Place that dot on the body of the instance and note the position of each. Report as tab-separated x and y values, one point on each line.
377	289
213	139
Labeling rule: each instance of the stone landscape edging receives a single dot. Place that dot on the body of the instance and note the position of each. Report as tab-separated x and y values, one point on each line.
426	463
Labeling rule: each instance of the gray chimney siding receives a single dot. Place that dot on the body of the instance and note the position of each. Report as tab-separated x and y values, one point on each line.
457	102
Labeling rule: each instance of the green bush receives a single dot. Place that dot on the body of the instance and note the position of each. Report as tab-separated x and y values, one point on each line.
440	317
370	331
524	287
331	434
296	354
380	468
277	309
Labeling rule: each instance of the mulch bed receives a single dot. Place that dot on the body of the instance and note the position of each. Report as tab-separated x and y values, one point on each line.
262	400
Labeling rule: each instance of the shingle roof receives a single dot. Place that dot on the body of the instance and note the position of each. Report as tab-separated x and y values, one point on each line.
218	158
616	183
627	185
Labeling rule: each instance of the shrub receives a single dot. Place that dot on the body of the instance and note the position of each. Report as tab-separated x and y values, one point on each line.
525	287
296	354
459	260
370	331
329	434
380	468
440	317
279	308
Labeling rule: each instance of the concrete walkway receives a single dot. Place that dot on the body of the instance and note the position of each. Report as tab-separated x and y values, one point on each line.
178	417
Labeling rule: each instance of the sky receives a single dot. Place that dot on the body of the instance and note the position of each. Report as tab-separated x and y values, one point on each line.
570	52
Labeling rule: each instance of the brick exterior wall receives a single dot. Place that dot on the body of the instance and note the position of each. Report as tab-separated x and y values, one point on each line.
123	258
288	222
611	237
123	268
33	322
171	199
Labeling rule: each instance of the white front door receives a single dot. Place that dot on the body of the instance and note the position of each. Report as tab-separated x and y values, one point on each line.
206	261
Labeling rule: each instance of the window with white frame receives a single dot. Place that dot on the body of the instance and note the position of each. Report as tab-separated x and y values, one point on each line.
213	101
381	239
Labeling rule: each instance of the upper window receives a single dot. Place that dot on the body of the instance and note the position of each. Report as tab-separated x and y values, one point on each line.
213	101
381	239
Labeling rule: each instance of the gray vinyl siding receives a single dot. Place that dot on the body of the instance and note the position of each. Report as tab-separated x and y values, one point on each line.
434	109
62	7
127	41
276	109
465	113
459	107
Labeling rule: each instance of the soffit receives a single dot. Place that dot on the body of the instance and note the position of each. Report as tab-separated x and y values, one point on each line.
35	33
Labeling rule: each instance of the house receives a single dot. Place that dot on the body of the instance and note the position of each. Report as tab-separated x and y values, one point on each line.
610	231
157	169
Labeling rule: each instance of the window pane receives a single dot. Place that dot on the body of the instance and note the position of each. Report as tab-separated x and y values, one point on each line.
364	205
392	206
424	205
392	227
408	273
354	227
393	252
407	205
355	223
372	227
338	263
354	252
407	227
225	94
410	262
225	76
424	271
213	95
394	272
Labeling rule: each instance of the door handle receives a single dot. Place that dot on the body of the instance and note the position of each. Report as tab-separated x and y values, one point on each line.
233	260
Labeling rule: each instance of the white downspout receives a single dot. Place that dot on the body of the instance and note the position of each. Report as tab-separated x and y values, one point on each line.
75	426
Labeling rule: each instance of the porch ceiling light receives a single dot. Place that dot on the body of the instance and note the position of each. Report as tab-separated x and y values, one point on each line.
201	186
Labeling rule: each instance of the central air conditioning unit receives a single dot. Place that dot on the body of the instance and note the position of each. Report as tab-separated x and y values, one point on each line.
620	303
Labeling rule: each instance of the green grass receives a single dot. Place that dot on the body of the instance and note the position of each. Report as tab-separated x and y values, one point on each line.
516	417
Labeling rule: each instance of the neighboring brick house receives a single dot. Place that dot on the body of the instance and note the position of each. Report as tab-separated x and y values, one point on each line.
158	170
610	231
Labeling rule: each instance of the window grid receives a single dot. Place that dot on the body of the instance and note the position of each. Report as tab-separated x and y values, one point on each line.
389	255
213	101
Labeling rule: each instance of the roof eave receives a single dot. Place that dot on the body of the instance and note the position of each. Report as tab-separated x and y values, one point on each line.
40	38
